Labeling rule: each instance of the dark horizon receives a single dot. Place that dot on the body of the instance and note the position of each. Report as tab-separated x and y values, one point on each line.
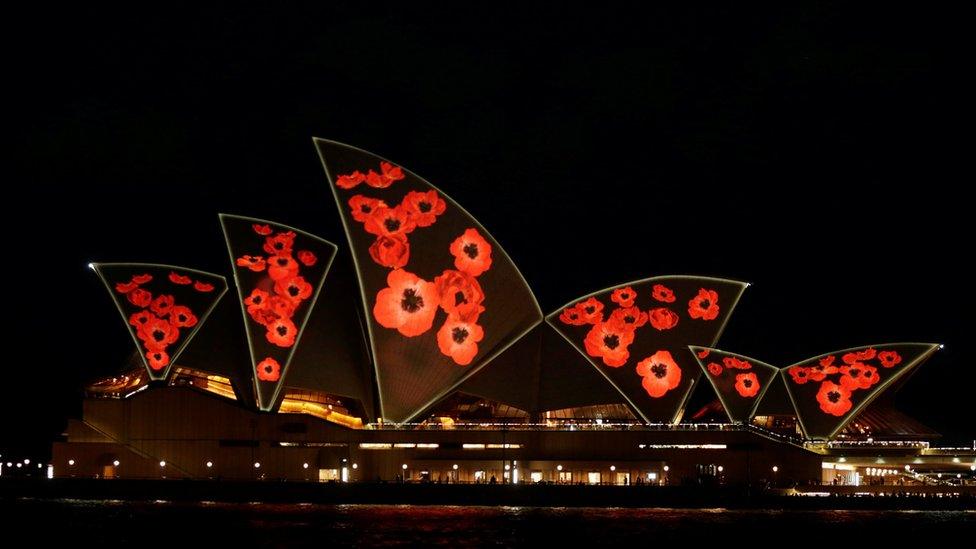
811	151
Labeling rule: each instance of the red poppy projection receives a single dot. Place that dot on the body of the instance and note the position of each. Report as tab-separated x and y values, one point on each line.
637	336
829	390
279	272
739	381
162	305
441	296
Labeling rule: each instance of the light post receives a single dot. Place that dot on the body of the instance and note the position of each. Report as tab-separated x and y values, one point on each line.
775	476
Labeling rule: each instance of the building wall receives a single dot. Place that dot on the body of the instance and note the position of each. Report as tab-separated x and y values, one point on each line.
187	428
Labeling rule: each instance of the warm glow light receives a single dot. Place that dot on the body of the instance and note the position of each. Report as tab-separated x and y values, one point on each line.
70	462
209	464
666	468
972	467
775	468
559	467
91	266
507	467
115	463
720	468
404	466
355	466
304	466
955	460
257	464
162	464
27	461
455	466
613	467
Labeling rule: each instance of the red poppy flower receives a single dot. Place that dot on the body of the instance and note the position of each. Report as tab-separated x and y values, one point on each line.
307	258
268	370
703	353
282	306
747	384
389	222
799	374
736	364
390	251
257	301
139	297
125	287
472	253
157	359
281	267
889	359
459	336
816	373
162	304
624	296
255	263
662	293
715	369
867	354
704	305
202	286
660	372
142	279
663	318
177	278
408	304
281	332
834	399
630	318
424	207
349	181
264	316
263	230
182	317
157	334
389	174
280	244
858	376
362	206
827	361
141	318
591	309
609	342
456	289
572	316
296	289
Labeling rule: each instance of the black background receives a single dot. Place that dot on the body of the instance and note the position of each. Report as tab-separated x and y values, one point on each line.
818	152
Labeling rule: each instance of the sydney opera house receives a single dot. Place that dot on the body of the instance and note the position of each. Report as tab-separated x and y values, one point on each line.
419	353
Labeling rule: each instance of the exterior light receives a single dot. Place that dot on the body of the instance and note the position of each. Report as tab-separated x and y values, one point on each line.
842	459
940	475
257	464
559	467
775	468
39	466
355	466
666	468
955	460
613	467
70	462
19	465
162	464
908	468
209	464
26	462
972	467
11	464
507	467
404	466
958	475
304	466
720	468
91	266
115	463
455	466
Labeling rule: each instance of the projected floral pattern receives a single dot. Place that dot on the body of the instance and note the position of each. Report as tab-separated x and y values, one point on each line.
162	306
409	303
739	381
840	380
609	340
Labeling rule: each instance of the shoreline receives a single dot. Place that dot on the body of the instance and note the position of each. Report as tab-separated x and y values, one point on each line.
896	498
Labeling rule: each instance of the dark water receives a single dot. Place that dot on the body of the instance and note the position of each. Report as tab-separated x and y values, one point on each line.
113	523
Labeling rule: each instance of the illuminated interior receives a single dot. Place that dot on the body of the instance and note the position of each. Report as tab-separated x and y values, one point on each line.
120	386
198	379
333	409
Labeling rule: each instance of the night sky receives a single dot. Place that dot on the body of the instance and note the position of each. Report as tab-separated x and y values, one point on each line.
816	152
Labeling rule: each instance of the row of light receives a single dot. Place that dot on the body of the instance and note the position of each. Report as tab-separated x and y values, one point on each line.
209	464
